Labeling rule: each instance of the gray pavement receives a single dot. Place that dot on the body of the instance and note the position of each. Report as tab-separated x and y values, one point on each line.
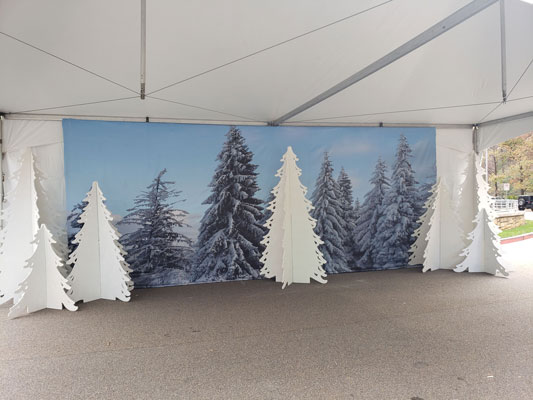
372	335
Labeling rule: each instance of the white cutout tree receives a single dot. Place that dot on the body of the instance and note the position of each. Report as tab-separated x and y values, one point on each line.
52	218
291	246
45	286
468	194
445	234
484	251
419	246
20	224
99	270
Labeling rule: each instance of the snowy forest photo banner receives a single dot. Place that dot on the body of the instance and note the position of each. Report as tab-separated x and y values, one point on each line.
190	200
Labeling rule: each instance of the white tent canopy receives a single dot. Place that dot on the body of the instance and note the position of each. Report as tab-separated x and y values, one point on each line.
83	59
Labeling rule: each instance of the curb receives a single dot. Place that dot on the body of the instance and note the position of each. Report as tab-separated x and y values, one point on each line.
517	238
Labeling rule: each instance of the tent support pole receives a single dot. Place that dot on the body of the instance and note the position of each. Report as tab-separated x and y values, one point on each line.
503	50
436	30
143	49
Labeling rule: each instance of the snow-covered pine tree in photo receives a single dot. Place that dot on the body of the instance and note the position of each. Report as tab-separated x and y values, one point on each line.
20	218
444	234
267	213
356	255
74	225
484	251
420	235
229	241
45	285
398	220
349	217
357	209
371	211
99	269
328	212
291	252
156	244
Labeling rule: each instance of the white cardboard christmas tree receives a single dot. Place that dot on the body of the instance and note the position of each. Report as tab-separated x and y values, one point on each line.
20	218
484	251
468	194
99	269
445	236
291	254
51	217
419	246
45	286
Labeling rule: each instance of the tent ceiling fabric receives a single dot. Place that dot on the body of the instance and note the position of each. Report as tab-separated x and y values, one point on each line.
460	67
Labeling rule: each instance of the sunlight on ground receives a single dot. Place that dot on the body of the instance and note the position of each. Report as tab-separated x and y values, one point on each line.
518	254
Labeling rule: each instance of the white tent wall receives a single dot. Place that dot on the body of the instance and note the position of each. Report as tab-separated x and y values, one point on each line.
45	138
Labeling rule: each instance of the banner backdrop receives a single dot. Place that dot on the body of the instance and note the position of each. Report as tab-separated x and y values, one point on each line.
190	200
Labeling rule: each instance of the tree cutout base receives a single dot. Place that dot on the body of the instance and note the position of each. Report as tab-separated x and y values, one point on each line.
99	270
291	246
44	287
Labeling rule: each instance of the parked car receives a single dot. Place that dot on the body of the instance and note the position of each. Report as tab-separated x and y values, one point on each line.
525	202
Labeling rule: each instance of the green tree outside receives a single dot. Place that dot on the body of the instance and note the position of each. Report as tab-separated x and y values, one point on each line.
511	162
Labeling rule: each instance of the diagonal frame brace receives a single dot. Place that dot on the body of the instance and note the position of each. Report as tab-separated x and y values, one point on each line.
428	35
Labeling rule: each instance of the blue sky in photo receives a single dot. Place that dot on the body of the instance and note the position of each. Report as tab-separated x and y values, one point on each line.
124	157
